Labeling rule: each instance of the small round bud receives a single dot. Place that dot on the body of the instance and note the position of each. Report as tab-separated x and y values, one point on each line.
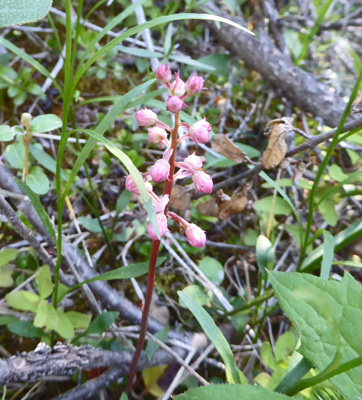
163	73
131	185
195	235
157	135
146	117
175	104
200	131
178	86
25	120
161	220
194	84
194	161
160	171
203	182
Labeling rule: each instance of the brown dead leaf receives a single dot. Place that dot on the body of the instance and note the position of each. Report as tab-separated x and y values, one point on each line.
356	106
276	131
234	205
223	145
180	198
208	208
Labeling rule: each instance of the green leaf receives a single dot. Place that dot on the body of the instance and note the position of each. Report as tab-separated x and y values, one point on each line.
25	329
123	201
281	207
328	316
45	123
196	293
217	338
7	255
37	181
329	214
41	314
231	392
44	282
284	346
15	155
7	319
78	320
286	182
38	208
52	319
91	224
328	253
152	347
336	173
212	268
65	327
6	272
13	12
265	255
23	300
101	322
6	133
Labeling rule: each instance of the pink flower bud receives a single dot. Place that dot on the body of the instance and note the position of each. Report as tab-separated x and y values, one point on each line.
163	73
194	84
194	161
146	117
157	135
203	182
200	131
160	170
175	104
131	186
178	86
195	235
161	220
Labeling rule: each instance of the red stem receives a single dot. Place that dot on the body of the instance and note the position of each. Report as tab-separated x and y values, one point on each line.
152	266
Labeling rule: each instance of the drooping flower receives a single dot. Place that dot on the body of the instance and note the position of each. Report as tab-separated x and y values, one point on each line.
194	84
163	73
200	131
203	182
195	235
157	135
146	117
194	161
161	220
178	86
131	185
160	170
175	104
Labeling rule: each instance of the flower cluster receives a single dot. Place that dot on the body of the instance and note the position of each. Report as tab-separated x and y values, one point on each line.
164	168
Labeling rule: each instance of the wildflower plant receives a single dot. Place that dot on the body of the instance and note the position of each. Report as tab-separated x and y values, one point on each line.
169	169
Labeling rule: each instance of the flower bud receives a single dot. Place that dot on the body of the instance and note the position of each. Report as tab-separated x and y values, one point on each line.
160	170
146	117
200	131
131	185
163	73
203	182
26	120
157	135
195	235
194	84
161	220
178	86
175	104
194	161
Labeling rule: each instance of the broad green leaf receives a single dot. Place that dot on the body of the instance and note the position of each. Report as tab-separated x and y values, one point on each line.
231	392
25	329
15	155
196	293
37	181
150	377
6	272
23	300
336	173
91	224
329	214
123	201
152	347
281	207
328	253
212	268
7	255
13	12
6	133
265	255
284	346
41	314
78	320
217	338
65	327
44	282
38	208
45	123
328	316
123	396
7	319
52	319
102	322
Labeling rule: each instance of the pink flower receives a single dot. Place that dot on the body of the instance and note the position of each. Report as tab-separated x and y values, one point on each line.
178	86
194	161
146	117
194	84
131	185
160	170
163	73
157	135
203	182
195	235
175	104
200	131
161	220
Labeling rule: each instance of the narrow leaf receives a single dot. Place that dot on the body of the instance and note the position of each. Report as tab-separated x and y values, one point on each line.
328	252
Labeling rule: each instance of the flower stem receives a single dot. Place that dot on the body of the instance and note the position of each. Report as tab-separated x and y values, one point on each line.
152	265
